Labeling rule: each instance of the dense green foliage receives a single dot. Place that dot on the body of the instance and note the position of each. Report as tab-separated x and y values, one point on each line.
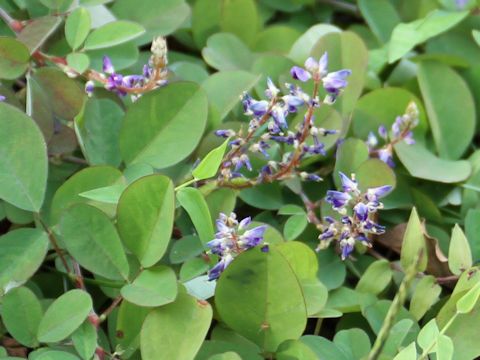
342	133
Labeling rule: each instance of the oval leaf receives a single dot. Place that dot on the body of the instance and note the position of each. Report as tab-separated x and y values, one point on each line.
413	243
451	138
268	317
164	126
184	323
113	33
64	315
459	253
93	241
14	57
77	27
156	286
21	253
23	160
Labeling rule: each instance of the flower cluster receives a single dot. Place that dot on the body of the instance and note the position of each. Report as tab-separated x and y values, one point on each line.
154	74
231	239
274	112
401	130
355	209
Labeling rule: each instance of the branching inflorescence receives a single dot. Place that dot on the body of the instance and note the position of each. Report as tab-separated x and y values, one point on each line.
356	210
154	74
232	239
269	124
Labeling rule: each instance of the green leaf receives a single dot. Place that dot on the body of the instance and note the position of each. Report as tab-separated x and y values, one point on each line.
77	27
57	4
182	326
155	286
344	299
428	334
276	38
466	303
426	294
98	127
240	17
315	295
84	180
406	36
346	50
380	16
265	196
374	173
93	241
354	342
350	155
422	164
195	205
21	315
38	31
158	128
376	278
185	249
295	226
158	17
21	253
14	58
472	230
193	268
399	333
302	48
451	139
107	194
408	353
225	51
413	243
444	348
122	56
145	217
129	323
205	20
301	258
85	340
64	316
294	350
323	348
52	355
225	88
23	160
113	33
78	62
459	253
208	167
266	277
476	36
189	71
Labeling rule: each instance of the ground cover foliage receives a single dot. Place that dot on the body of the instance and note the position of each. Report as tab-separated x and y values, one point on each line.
239	179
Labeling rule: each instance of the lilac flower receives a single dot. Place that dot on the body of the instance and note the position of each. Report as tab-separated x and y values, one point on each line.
386	155
299	73
335	81
272	91
338	199
354	227
107	65
89	87
382	131
232	239
372	141
2	98
225	133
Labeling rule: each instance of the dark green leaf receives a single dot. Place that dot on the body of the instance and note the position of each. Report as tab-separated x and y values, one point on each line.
38	31
85	340
14	57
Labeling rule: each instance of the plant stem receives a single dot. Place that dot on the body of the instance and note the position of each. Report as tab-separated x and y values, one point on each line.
342	5
395	309
54	242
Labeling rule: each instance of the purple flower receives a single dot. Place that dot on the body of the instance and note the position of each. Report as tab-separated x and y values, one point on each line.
374	194
348	184
386	155
225	133
217	270
347	245
252	237
361	210
319	67
2	98
107	65
335	81
89	87
372	141
244	223
272	90
300	74
337	198
382	131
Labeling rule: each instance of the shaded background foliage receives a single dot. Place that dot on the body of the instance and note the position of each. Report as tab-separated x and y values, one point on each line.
106	218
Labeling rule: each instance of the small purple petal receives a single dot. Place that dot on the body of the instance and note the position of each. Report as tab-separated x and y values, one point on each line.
107	65
361	210
311	64
300	74
348	184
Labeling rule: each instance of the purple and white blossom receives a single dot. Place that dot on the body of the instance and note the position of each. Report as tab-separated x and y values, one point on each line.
231	239
355	208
